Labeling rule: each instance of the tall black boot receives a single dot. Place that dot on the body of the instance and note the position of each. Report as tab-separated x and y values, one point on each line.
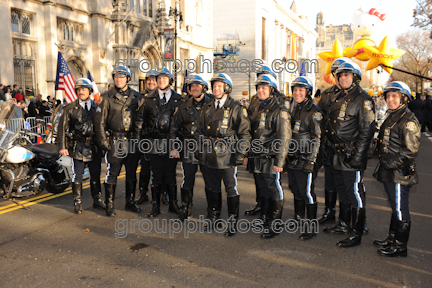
299	212
275	214
77	196
399	247
186	198
330	204
366	228
109	198
173	203
130	197
311	227
343	226
96	192
390	238
143	184
357	220
257	207
233	215
156	191
215	201
265	212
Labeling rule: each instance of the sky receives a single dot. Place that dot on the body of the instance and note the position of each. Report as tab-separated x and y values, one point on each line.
399	14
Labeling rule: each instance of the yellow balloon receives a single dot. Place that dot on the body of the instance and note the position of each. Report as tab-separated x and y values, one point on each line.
383	54
329	57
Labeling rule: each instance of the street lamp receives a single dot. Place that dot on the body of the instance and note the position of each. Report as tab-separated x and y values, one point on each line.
177	14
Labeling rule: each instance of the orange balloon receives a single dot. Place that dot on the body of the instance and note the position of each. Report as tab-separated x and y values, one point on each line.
329	79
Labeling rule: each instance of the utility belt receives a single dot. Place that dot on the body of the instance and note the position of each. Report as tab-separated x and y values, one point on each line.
347	149
85	140
120	135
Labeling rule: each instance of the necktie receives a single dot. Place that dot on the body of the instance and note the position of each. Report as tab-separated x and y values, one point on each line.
218	105
164	99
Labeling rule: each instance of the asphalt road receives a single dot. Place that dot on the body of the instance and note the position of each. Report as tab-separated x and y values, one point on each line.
49	246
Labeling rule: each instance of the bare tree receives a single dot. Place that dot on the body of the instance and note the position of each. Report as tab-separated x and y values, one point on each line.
418	56
423	15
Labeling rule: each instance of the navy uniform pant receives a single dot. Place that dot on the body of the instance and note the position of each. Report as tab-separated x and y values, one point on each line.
302	185
329	183
270	185
163	169
350	188
189	171
213	179
94	168
130	161
397	195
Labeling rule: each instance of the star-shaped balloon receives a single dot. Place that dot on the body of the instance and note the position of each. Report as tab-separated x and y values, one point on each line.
383	54
329	57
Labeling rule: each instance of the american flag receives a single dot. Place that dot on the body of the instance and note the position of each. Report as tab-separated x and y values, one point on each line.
65	80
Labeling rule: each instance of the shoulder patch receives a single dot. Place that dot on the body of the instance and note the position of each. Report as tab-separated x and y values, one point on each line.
100	99
287	104
368	105
245	114
141	102
317	116
284	115
411	126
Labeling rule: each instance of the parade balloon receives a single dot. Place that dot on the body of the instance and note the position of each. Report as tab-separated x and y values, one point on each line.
364	23
329	57
329	79
383	54
357	49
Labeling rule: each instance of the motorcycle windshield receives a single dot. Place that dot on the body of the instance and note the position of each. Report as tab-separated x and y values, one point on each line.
56	116
11	123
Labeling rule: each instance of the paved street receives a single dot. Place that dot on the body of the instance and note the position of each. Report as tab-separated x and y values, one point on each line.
49	246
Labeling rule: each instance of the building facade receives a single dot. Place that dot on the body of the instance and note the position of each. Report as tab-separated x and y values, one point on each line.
93	35
268	31
328	34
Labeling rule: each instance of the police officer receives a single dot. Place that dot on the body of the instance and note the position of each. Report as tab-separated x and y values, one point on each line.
184	127
254	104
155	118
75	138
116	113
398	145
349	130
145	173
223	122
269	123
306	124
330	194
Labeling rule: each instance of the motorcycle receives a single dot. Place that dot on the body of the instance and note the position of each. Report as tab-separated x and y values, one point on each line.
27	168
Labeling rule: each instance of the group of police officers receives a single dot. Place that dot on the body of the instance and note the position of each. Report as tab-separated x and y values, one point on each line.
336	133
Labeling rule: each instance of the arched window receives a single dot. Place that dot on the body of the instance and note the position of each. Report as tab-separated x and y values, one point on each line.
14	21
64	31
25	25
72	33
145	7
67	33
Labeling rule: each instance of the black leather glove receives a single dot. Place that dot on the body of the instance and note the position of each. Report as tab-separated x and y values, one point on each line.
308	167
394	163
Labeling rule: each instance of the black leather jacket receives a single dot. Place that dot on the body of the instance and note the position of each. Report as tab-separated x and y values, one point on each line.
307	122
269	124
398	145
281	99
116	115
184	125
154	121
220	130
349	129
76	133
327	97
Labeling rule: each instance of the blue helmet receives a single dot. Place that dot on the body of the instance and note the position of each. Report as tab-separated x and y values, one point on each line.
222	77
84	83
398	86
121	70
188	77
267	80
165	72
266	70
304	82
350	67
151	74
197	79
339	61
